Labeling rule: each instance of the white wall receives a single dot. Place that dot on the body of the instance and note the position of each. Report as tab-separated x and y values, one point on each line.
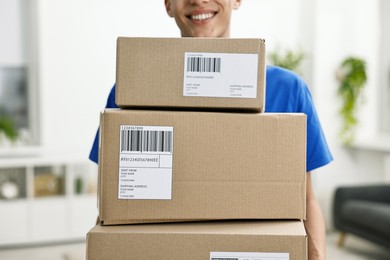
262	19
385	65
76	54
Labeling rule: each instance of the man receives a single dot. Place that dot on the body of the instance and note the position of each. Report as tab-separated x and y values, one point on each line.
286	92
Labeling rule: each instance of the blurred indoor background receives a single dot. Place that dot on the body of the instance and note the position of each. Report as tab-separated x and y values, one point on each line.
57	65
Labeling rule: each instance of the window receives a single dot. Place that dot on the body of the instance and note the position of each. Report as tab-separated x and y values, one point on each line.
17	98
13	96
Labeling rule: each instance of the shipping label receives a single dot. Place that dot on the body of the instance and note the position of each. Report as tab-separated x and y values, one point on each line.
248	256
227	75
145	162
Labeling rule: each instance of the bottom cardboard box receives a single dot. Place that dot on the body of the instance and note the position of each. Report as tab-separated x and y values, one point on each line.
216	240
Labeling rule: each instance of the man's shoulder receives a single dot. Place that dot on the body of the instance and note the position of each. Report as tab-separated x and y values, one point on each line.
275	72
281	78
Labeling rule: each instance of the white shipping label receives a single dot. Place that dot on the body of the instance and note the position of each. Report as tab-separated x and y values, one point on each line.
248	256
228	75
145	162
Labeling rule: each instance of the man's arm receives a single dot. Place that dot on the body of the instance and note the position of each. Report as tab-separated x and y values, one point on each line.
314	224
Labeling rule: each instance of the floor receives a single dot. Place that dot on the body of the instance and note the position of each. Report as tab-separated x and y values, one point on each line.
355	249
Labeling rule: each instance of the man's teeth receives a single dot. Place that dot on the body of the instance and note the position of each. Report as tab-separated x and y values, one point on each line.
202	16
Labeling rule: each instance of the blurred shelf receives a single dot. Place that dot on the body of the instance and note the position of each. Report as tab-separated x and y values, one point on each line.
14	152
46	198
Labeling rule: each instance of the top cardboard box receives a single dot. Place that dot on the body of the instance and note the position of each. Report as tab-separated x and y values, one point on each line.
195	73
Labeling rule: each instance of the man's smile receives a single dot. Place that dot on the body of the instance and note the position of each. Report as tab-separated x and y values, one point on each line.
201	17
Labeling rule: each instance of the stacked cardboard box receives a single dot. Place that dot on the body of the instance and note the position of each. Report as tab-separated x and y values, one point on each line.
191	143
249	240
191	73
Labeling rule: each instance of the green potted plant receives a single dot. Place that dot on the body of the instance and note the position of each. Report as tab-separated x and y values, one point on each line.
288	59
7	127
352	78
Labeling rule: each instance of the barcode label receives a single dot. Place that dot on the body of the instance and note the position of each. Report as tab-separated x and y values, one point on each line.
225	75
203	64
134	139
145	162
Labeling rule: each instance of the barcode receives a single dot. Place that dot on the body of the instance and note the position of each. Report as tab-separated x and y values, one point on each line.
146	141
201	64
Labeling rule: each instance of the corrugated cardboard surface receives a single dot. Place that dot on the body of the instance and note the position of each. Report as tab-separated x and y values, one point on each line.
150	72
225	166
196	240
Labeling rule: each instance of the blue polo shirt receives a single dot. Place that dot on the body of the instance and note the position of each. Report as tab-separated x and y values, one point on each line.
286	92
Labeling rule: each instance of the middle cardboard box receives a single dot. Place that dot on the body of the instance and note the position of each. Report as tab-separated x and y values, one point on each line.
169	166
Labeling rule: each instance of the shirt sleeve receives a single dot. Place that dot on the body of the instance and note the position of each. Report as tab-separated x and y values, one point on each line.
94	153
287	92
317	149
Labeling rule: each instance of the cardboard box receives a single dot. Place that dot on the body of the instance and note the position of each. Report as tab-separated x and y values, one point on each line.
200	166
272	240
200	73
